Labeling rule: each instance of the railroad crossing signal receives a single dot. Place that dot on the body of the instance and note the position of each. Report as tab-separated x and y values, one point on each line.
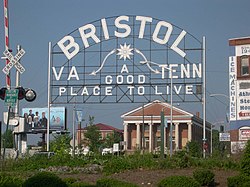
13	61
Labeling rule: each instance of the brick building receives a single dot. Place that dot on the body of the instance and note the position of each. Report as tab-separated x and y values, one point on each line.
186	127
239	92
104	129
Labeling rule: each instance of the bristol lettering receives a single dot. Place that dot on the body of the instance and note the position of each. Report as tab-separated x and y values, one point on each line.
70	48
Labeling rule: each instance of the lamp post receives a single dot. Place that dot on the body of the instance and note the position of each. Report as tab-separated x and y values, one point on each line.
171	98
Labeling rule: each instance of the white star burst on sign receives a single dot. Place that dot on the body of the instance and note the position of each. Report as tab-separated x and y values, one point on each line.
124	51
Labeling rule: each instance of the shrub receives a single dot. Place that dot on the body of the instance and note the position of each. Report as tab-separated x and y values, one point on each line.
10	181
204	177
108	182
246	184
119	164
194	149
178	181
181	159
245	161
44	179
238	180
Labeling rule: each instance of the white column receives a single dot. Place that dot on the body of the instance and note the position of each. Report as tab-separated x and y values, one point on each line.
176	136
165	137
189	131
125	135
138	135
150	137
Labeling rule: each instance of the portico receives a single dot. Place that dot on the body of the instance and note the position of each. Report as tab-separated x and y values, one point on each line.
186	127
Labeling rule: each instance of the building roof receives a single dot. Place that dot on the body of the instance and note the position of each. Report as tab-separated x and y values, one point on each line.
239	41
104	127
155	108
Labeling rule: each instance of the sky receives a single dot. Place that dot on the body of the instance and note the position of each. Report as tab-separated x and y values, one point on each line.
33	24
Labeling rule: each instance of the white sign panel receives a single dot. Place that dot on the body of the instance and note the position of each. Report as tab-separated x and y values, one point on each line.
242	50
237	147
13	61
232	87
115	147
244	134
224	137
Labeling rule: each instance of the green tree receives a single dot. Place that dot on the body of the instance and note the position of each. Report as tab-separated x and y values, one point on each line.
115	137
93	135
8	138
61	145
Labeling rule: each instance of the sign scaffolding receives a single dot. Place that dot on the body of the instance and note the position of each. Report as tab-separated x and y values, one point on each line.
125	59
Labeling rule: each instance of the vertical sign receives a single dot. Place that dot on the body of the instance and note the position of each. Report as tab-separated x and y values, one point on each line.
232	88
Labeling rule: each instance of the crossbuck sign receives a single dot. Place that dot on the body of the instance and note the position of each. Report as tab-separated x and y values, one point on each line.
13	61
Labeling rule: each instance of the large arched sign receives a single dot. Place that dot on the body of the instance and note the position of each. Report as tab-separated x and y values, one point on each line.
126	59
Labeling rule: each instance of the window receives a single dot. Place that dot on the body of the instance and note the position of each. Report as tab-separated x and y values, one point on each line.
244	64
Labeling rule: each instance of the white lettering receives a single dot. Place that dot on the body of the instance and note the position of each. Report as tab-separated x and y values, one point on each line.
141	79
90	34
122	26
141	90
176	43
173	70
157	30
71	45
131	89
119	79
105	29
96	90
177	89
124	69
108	90
189	89
73	74
156	91
62	90
185	70
108	79
143	20
57	76
72	92
130	79
85	91
197	71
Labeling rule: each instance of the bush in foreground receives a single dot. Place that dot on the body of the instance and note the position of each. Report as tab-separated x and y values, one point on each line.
10	181
108	182
237	181
245	161
44	179
178	181
204	176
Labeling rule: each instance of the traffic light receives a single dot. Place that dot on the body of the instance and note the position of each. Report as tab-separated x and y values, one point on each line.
30	95
2	93
21	93
221	128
